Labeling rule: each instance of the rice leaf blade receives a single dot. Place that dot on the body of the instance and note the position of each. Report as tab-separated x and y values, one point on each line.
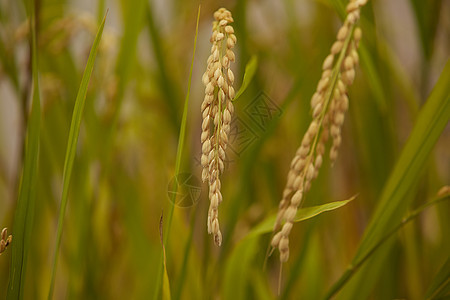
353	268
303	214
72	145
239	263
24	215
167	83
427	22
180	147
440	286
393	202
237	269
166	284
250	70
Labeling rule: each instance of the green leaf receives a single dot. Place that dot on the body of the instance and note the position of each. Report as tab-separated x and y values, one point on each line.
393	203
355	266
187	251
133	13
7	61
368	64
24	215
427	13
72	146
239	263
181	139
440	286
166	285
237	270
166	81
303	214
250	70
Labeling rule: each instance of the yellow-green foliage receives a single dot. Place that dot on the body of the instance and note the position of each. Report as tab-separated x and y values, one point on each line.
120	212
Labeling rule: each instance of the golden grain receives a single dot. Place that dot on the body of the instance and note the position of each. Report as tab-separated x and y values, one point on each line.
217	109
5	240
328	105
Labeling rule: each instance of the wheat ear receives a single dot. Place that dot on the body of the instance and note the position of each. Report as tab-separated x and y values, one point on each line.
217	110
329	104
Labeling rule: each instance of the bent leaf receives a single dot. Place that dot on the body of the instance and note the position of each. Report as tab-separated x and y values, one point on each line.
240	260
250	70
306	213
393	203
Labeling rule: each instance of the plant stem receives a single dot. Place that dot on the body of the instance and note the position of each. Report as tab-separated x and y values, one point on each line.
352	268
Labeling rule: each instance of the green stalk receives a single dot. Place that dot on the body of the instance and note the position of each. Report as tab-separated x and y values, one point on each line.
329	95
352	268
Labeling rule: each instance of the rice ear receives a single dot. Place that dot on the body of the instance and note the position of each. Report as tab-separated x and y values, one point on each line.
217	110
328	105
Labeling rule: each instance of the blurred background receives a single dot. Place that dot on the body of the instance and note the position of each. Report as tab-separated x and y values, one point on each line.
128	143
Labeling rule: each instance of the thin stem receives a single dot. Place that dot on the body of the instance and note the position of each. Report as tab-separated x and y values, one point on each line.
279	279
218	133
329	96
439	289
220	105
352	268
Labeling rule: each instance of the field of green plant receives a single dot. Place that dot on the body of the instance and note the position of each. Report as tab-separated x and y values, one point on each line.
112	112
